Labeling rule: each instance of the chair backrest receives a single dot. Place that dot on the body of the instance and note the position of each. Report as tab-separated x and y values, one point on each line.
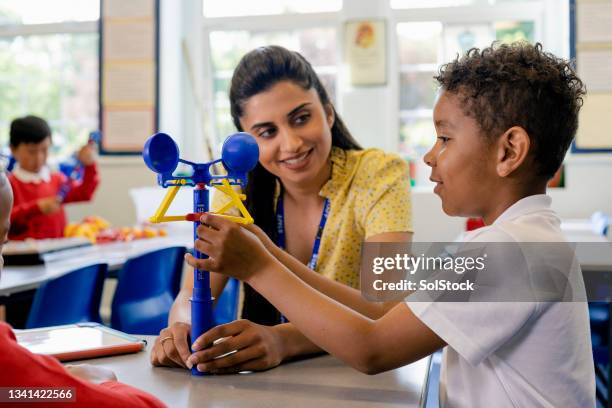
71	298
226	308
146	288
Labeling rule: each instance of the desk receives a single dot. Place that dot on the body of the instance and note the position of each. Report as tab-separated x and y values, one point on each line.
594	256
21	278
317	382
594	251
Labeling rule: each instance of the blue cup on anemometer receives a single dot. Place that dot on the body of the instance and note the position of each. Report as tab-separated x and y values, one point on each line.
239	155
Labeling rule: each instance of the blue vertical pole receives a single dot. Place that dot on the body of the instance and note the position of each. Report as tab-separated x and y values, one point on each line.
201	299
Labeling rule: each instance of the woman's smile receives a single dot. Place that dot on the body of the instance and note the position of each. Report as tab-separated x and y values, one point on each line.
297	161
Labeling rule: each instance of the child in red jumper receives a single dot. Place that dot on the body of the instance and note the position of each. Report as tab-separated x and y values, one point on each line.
39	194
92	386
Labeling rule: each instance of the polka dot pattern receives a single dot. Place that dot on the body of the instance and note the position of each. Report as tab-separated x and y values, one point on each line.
369	193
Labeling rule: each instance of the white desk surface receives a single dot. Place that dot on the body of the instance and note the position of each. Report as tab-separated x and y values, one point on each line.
594	254
20	278
595	257
594	251
318	382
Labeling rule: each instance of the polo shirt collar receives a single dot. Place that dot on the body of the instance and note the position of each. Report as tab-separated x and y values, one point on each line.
527	205
43	176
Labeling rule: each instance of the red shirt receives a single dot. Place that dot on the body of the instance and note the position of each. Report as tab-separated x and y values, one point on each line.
21	368
27	221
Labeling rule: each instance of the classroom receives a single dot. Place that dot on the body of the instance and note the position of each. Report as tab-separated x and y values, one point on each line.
360	203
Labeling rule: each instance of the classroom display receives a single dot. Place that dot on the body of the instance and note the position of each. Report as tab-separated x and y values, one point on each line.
591	46
240	154
129	74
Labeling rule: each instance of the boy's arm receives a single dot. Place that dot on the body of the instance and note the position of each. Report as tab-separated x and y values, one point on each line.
294	343
84	190
234	241
370	346
24	211
335	290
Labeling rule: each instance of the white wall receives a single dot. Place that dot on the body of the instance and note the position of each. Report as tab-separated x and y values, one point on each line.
179	117
588	189
366	112
112	201
369	113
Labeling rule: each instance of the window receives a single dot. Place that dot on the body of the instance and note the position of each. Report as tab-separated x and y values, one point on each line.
408	4
228	8
318	46
49	67
424	34
425	45
307	27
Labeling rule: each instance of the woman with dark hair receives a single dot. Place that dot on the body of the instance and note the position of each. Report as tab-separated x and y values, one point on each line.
315	193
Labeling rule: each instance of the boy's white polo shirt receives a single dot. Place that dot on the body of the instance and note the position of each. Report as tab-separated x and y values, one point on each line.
515	354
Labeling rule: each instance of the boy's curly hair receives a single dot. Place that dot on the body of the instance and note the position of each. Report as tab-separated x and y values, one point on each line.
518	84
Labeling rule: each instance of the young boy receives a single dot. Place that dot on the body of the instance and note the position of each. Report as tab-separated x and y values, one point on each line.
504	120
39	193
92	386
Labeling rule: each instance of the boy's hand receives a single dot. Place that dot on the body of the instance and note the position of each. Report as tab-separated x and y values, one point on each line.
246	346
263	237
87	154
233	250
91	373
48	205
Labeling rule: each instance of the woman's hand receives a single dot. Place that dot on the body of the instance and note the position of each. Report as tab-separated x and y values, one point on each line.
171	348
245	346
91	373
232	249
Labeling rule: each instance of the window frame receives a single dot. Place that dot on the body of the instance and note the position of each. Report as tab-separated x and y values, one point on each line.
71	27
546	15
11	31
260	24
471	14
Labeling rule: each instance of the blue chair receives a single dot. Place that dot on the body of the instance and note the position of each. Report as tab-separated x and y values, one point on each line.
226	309
599	313
72	298
146	288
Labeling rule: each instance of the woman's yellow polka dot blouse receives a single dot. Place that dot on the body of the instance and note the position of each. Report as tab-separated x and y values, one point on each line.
369	194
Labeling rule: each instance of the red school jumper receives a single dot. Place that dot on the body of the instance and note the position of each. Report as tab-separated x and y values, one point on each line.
21	368
26	219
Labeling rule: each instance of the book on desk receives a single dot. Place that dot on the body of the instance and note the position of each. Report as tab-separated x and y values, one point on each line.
78	341
33	251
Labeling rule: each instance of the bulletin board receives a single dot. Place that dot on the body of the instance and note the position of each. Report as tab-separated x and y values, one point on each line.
591	47
129	74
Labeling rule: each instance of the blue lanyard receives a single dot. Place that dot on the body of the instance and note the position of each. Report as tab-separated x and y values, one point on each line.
280	227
